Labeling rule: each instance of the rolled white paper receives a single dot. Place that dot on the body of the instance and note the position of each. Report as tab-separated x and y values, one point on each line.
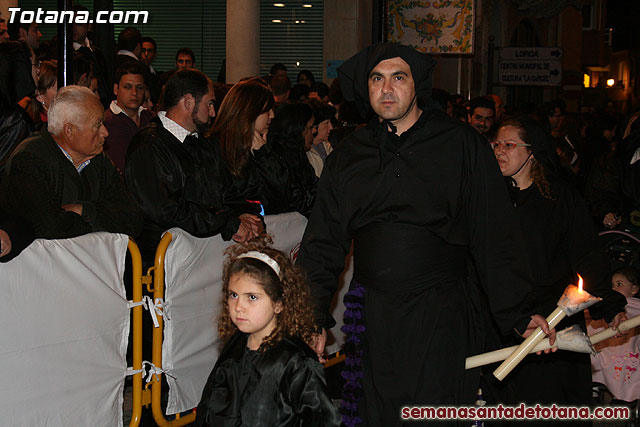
571	338
501	354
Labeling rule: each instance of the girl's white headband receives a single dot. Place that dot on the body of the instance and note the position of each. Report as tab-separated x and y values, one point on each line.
264	258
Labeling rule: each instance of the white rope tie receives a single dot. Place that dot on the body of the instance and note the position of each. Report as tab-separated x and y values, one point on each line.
147	302
153	371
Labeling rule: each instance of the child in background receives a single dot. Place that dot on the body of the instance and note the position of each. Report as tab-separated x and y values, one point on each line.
266	375
618	361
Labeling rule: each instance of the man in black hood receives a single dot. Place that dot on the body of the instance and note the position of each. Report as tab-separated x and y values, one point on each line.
435	237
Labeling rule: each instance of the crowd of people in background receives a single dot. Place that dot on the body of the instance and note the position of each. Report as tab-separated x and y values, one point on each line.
131	149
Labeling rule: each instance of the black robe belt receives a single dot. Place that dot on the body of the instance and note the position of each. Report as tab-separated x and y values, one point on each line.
394	257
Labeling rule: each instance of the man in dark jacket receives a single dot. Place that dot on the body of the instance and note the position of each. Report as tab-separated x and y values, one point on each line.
58	179
177	175
125	115
423	200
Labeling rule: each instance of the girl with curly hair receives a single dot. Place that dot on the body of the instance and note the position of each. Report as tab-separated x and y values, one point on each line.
266	373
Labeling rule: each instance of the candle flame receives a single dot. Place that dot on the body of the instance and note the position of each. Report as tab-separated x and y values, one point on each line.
580	283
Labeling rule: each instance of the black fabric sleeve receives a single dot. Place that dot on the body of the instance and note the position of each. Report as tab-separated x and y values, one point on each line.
309	397
495	239
271	180
20	232
325	244
114	211
169	198
32	197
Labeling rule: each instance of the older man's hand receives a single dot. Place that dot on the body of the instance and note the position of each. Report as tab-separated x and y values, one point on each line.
5	243
73	207
243	234
254	223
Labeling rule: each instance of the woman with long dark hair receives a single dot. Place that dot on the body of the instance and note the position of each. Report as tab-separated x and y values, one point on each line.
46	90
241	126
242	122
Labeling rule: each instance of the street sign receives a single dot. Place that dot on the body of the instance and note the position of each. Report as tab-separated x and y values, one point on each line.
533	53
545	73
526	66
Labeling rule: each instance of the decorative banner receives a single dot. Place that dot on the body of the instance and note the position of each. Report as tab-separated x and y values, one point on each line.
444	26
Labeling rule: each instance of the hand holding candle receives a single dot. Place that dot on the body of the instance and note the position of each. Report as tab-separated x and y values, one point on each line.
573	300
538	321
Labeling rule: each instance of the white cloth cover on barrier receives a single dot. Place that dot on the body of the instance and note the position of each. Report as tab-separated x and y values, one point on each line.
335	337
65	325
193	290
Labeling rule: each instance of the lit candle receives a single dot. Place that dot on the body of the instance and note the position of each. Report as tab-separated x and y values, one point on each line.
573	300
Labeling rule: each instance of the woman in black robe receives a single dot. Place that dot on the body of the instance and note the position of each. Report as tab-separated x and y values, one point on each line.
560	242
291	135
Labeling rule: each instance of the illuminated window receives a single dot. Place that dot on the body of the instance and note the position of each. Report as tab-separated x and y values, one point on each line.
297	41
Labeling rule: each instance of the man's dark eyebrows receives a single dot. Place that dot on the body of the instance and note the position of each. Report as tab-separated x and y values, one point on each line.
395	73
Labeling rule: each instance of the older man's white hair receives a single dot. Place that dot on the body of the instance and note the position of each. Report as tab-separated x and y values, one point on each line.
71	105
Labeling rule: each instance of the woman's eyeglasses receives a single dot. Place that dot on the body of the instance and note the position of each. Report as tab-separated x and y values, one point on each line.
507	145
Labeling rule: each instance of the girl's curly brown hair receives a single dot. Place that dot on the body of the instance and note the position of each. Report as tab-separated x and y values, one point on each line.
291	290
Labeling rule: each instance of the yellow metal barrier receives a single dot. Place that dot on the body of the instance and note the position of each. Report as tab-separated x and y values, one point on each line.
156	355
136	262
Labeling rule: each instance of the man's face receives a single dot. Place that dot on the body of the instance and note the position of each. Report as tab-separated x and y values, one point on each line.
324	129
184	61
482	119
130	91
280	73
148	53
32	37
203	111
87	139
4	33
555	120
392	93
80	32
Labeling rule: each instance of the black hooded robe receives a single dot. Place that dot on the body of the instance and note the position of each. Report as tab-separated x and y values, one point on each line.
419	207
560	241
